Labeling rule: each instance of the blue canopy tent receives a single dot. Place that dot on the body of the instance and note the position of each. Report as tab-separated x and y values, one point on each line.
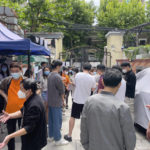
22	47
12	44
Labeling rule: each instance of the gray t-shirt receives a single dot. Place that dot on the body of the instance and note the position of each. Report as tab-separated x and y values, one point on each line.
55	90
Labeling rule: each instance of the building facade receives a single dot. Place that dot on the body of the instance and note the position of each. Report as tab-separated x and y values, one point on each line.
9	18
113	48
52	41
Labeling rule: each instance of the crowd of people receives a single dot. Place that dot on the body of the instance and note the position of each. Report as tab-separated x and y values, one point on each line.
100	98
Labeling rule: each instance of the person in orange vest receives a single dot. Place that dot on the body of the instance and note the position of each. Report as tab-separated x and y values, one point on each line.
9	88
66	82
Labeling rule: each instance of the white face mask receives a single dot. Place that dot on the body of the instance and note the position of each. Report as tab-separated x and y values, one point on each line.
124	71
16	75
21	94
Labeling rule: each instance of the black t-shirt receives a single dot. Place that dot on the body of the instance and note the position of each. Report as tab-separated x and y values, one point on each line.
130	84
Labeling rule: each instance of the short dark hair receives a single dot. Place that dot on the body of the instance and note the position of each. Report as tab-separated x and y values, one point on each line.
87	66
29	84
56	63
117	67
42	63
76	70
112	77
92	69
15	65
125	64
65	68
101	67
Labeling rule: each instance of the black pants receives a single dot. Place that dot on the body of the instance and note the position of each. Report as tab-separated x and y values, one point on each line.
66	96
27	148
11	127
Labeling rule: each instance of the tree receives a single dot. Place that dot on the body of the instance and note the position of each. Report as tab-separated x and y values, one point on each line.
121	14
82	13
16	7
36	15
39	13
132	52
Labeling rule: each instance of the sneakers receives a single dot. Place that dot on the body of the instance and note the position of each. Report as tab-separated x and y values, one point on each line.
61	142
50	139
67	138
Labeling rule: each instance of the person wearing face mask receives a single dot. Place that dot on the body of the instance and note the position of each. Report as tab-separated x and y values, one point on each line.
34	131
106	122
130	80
39	74
4	71
46	73
9	88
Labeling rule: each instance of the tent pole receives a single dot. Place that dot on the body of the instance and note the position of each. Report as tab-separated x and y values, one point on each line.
29	66
49	60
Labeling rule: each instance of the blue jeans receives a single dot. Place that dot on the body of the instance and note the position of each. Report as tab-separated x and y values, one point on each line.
44	96
55	122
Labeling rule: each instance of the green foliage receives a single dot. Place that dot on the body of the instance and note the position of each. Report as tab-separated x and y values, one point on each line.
131	52
148	10
16	7
36	15
121	15
117	14
50	15
39	13
45	15
82	13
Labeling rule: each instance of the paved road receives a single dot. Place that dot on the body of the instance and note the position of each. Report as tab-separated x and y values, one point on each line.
142	143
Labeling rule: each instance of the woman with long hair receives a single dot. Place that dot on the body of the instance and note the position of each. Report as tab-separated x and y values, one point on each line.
4	71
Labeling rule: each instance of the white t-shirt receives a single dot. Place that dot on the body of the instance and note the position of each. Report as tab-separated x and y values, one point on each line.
122	91
84	83
72	85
